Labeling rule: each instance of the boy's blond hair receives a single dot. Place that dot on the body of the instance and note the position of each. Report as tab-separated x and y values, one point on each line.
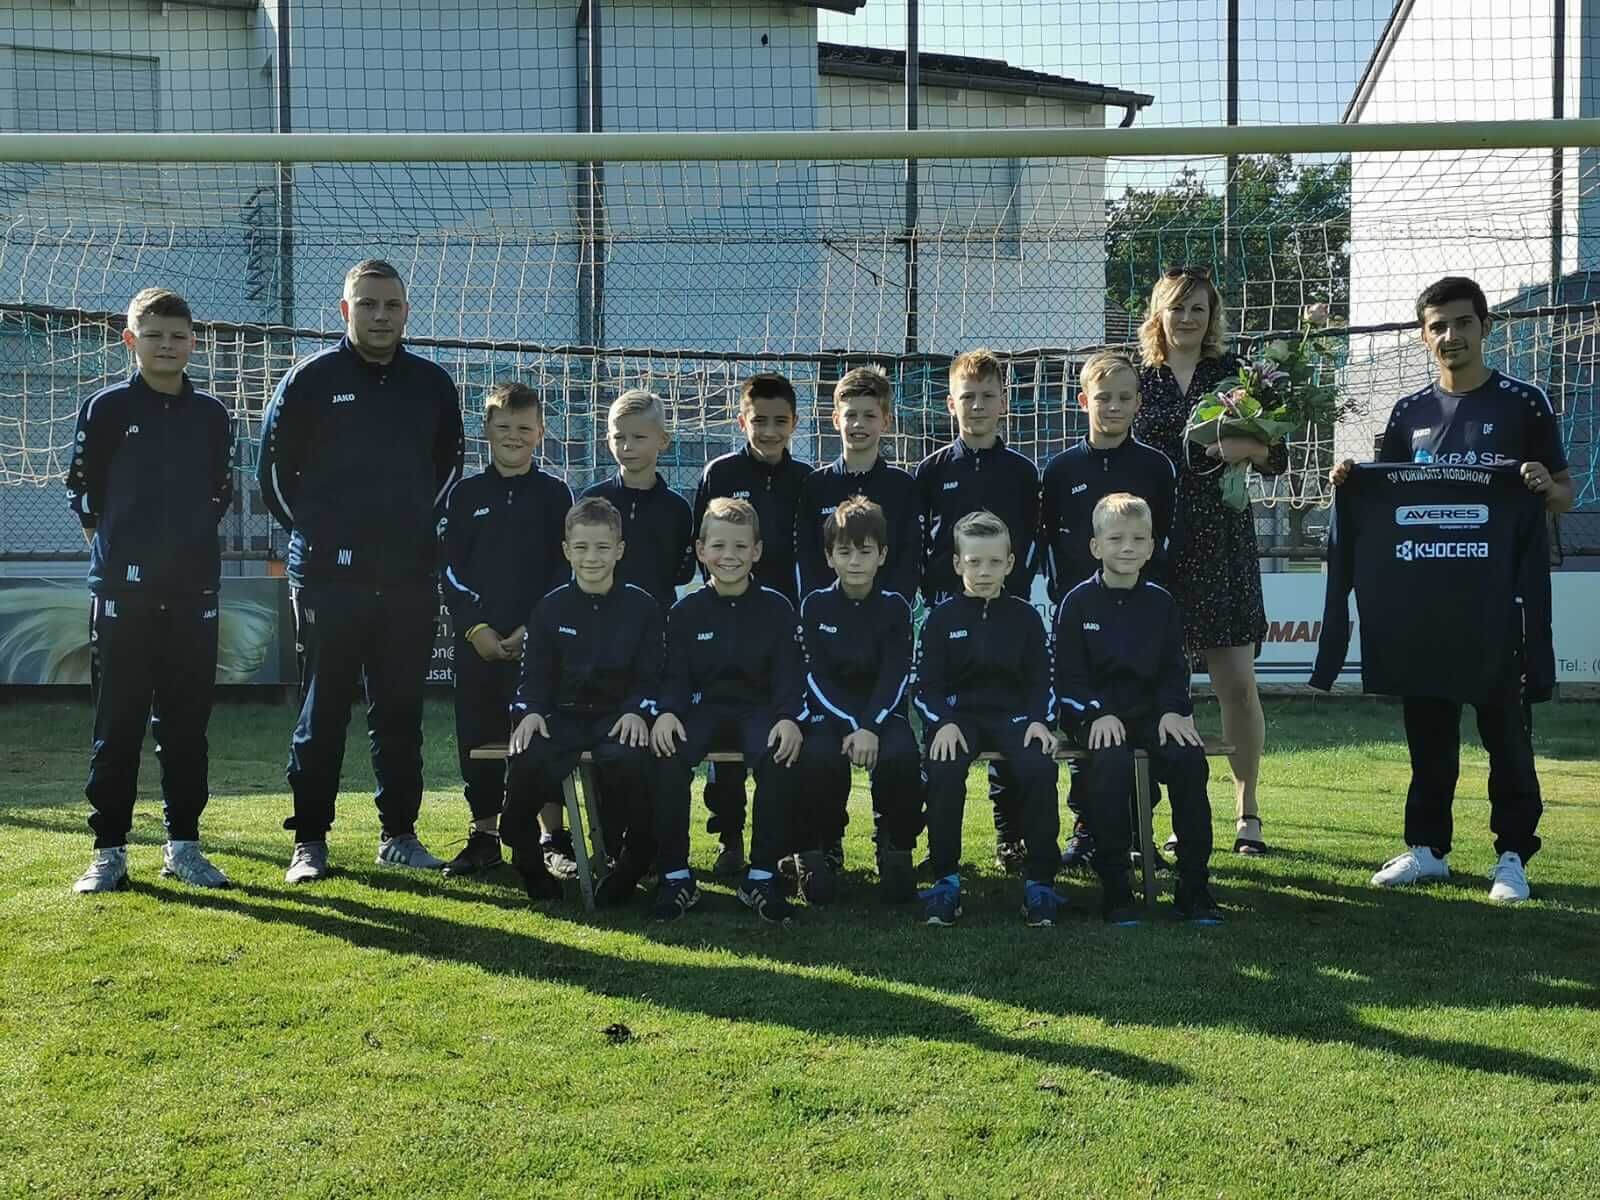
157	302
865	381
731	512
513	397
1174	287
1120	506
592	510
1103	366
978	364
981	524
637	402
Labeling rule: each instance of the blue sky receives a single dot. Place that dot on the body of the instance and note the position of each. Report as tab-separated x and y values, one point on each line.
1298	63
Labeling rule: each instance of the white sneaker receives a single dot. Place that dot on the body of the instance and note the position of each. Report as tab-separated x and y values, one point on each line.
1415	865
108	872
183	860
1510	880
407	852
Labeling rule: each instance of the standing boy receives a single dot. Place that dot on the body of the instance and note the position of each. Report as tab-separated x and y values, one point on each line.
502	539
589	679
978	472
733	680
983	683
1472	415
764	474
1122	683
151	475
656	522
857	639
863	412
1108	459
358	448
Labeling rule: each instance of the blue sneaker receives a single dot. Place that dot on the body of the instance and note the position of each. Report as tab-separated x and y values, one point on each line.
941	904
1040	904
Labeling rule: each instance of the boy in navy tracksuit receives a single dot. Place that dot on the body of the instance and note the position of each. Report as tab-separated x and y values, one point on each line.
589	678
1123	685
734	679
502	540
764	474
983	683
857	638
978	472
863	412
657	524
1109	459
151	475
358	449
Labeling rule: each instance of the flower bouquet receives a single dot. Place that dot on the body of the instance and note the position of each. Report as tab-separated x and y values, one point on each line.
1269	400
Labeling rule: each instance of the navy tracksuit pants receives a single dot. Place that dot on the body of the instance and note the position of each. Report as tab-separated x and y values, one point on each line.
1104	784
823	797
483	695
1433	734
353	639
626	777
155	663
1035	776
711	729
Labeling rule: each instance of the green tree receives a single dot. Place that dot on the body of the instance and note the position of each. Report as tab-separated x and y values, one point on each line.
1290	243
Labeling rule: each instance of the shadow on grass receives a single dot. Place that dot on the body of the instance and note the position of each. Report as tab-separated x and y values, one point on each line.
731	993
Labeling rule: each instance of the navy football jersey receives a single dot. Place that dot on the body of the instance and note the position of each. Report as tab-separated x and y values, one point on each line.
1504	422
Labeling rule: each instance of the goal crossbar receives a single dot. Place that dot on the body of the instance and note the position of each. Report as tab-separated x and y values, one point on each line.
785	144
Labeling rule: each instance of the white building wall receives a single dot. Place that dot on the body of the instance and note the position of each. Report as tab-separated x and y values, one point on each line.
1012	253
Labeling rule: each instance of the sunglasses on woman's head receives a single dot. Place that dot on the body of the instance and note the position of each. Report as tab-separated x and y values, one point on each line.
1200	272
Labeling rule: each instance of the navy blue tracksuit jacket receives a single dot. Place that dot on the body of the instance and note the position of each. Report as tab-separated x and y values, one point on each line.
355	459
987	657
774	490
502	542
858	655
658	528
958	480
152	475
891	489
1075	481
1119	653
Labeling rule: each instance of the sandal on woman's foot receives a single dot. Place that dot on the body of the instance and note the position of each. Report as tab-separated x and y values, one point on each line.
1250	847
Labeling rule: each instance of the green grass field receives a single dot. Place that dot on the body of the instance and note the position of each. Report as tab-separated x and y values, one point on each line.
387	1035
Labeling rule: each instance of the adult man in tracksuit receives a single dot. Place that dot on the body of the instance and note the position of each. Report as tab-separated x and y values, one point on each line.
151	475
358	449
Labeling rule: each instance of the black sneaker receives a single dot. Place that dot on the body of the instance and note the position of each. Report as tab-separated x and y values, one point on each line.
764	898
1117	905
730	862
818	883
559	857
896	882
536	878
481	853
620	885
834	853
1011	857
674	897
1079	853
1194	903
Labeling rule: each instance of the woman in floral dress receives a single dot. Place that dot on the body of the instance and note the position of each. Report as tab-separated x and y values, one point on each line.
1215	571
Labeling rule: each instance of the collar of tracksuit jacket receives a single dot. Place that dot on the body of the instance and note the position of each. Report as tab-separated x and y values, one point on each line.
960	451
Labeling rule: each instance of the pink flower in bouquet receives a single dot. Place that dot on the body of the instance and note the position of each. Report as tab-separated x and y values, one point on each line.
1231	400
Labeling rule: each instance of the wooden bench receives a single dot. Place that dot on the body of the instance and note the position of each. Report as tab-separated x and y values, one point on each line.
585	820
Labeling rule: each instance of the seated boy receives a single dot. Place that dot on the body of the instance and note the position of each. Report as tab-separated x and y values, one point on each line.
983	683
656	522
1108	459
502	542
589	674
151	475
764	473
733	680
858	665
1123	684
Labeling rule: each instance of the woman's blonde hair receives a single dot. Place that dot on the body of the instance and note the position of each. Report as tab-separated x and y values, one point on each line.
1173	287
